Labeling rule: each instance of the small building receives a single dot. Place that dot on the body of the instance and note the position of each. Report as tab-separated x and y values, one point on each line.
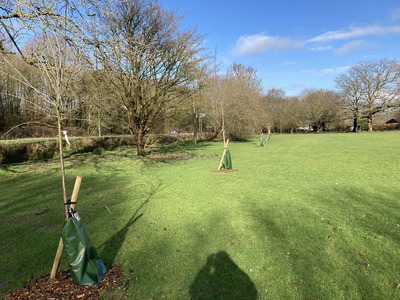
393	121
392	124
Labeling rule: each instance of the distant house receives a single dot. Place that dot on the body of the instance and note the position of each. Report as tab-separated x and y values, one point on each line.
392	124
393	121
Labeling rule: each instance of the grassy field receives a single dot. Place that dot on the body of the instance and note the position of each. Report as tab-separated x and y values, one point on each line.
306	217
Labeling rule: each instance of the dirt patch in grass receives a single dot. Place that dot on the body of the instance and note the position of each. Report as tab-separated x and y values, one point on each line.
63	287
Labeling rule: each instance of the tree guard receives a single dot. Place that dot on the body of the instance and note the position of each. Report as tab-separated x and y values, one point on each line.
85	265
226	161
86	268
227	164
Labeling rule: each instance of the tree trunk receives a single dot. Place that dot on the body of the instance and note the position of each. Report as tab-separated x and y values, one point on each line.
215	134
355	121
140	143
369	123
195	125
61	153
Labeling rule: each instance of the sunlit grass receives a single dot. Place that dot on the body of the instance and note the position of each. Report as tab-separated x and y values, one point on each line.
306	217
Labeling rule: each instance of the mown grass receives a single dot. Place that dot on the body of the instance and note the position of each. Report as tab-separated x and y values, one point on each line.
306	217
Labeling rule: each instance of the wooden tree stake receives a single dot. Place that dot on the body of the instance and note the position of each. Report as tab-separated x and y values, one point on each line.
60	249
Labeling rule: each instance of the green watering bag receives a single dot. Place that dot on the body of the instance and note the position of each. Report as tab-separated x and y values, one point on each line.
227	164
85	265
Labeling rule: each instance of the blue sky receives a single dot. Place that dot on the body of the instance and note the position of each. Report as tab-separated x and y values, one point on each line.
295	45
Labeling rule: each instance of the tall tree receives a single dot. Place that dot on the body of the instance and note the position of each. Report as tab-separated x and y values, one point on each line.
151	61
373	86
322	108
236	105
350	88
243	104
274	105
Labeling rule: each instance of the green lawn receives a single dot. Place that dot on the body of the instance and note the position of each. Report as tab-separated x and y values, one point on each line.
314	216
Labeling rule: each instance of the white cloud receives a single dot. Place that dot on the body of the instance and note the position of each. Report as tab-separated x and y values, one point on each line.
355	32
326	71
311	72
346	48
321	48
258	43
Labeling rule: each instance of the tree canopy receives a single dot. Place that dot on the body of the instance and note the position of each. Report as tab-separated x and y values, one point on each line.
370	87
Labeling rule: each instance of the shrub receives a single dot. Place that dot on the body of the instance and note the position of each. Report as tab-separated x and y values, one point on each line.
12	153
19	152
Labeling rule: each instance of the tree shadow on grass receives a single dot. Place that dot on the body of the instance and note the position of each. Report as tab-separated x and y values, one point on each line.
222	279
111	247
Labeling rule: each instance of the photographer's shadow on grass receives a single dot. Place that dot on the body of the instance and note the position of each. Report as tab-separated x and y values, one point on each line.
222	279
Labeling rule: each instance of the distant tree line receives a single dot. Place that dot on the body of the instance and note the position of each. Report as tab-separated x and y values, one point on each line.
129	67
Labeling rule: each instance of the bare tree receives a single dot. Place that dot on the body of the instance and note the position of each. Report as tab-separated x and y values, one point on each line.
373	86
322	108
45	34
213	107
274	105
235	103
242	102
284	113
150	60
20	104
350	88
